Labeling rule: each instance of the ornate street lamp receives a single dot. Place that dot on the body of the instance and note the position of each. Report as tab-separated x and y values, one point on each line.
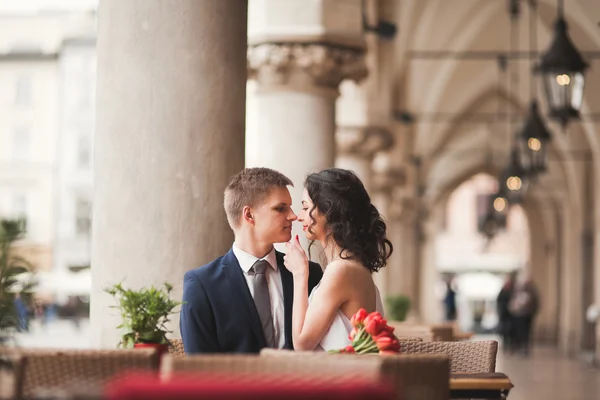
499	203
533	141
534	138
495	215
513	181
563	72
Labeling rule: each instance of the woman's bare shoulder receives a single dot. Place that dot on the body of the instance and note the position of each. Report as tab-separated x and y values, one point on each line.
345	269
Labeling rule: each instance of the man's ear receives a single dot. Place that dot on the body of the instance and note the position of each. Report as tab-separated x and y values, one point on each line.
248	214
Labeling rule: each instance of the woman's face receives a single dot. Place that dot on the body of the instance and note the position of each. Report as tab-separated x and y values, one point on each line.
316	223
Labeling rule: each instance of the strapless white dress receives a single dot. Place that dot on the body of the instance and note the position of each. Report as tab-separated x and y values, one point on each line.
337	336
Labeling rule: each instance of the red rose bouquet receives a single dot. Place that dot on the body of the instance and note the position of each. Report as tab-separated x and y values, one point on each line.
370	334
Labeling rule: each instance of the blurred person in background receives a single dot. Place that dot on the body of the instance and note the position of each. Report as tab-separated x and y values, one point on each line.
524	305
21	311
506	325
450	299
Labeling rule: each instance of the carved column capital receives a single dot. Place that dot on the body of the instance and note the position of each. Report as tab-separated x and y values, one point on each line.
386	181
305	65
363	141
410	210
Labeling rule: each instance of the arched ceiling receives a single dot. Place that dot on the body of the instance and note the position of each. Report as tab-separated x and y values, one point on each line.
452	151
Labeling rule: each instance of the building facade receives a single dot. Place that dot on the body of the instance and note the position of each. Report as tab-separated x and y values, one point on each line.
47	65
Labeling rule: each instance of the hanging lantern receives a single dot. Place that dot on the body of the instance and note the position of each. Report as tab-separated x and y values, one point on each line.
499	203
494	219
513	182
533	142
563	68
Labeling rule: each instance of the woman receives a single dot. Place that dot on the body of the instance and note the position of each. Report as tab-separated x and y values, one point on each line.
337	212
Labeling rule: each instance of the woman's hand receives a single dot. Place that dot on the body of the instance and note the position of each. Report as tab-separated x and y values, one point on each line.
295	259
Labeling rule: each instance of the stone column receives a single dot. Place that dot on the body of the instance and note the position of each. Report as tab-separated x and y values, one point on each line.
403	220
383	185
356	147
169	135
297	85
430	305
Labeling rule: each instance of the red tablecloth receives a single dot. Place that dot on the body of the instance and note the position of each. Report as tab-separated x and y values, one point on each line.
211	386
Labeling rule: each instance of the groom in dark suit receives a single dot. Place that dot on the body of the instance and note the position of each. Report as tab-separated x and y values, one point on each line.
242	302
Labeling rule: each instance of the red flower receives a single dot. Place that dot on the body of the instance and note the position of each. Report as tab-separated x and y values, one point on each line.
389	329
358	318
375	324
348	349
387	342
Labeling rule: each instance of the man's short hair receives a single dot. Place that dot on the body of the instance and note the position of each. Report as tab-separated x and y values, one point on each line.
249	188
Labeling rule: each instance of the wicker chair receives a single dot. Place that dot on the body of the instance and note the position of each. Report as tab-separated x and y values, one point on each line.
409	339
406	330
436	332
176	347
457	333
471	357
442	333
77	372
414	377
11	374
244	364
418	377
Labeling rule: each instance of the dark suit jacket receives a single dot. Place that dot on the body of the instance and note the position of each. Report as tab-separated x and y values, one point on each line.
219	315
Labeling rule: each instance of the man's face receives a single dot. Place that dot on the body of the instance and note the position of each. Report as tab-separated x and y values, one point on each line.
274	216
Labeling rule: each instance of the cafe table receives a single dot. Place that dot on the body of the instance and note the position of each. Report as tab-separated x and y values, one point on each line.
480	386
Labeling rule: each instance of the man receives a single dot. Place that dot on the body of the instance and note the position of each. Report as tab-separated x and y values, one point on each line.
242	302
524	305
506	325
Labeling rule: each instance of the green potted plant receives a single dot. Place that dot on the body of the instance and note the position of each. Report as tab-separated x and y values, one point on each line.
144	314
397	307
14	291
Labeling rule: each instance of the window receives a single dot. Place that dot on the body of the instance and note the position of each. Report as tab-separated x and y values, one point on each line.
21	143
83	217
83	151
23	90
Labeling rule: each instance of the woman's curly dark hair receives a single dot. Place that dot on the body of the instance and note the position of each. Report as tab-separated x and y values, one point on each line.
351	220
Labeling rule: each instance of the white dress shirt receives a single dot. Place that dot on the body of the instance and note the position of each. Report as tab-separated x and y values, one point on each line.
273	276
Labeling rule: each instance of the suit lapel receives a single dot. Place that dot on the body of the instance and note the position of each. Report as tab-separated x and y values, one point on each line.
287	282
241	294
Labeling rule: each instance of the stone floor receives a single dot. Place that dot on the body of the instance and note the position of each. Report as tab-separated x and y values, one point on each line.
544	375
548	375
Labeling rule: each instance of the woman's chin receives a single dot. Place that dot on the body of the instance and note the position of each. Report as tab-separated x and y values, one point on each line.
309	236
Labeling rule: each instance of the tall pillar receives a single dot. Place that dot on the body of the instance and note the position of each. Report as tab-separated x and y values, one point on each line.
169	135
356	147
430	305
383	185
408	237
297	85
403	220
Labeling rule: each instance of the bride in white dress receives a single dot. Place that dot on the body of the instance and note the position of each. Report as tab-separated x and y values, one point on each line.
337	212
